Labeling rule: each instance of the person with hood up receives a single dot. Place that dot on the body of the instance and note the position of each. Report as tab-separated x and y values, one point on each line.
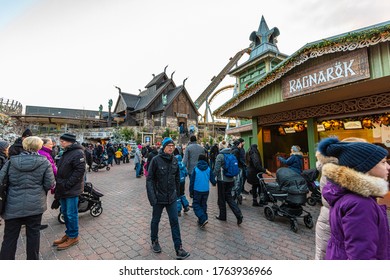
30	177
17	147
181	199
163	187
358	224
294	162
69	185
200	188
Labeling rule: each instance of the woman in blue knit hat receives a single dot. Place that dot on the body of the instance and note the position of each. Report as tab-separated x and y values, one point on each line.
359	226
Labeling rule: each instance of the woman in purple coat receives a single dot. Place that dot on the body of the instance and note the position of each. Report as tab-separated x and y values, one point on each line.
46	152
359	225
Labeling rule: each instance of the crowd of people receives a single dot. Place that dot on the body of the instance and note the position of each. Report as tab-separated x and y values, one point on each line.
351	225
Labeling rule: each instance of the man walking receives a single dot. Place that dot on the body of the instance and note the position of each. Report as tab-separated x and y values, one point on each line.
163	186
191	154
70	184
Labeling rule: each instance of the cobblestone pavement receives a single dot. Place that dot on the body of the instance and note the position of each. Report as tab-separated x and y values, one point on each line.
122	231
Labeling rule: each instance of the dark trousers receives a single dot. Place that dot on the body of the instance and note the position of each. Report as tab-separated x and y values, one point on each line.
225	196
173	221
11	234
199	204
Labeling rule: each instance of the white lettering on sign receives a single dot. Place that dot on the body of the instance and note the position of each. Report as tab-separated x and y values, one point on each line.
338	71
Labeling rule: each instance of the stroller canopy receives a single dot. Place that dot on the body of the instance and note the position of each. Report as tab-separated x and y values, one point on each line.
290	181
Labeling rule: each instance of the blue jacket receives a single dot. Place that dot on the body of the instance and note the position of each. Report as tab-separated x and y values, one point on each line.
294	162
200	178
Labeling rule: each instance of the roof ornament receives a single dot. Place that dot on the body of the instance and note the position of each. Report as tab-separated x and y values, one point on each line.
184	81
172	74
119	89
139	90
153	75
165	69
264	35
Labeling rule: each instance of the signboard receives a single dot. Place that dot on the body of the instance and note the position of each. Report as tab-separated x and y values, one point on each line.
289	130
352	125
266	136
97	135
331	73
181	115
320	127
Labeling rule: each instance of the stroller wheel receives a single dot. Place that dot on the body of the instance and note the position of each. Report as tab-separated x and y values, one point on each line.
311	201
308	220
108	168
269	213
95	169
61	218
96	210
294	225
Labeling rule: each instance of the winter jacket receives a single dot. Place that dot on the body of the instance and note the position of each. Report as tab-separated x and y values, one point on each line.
214	152
322	225
219	164
163	180
137	156
70	174
110	151
200	178
255	166
46	152
191	155
30	178
359	225
237	152
151	155
294	162
183	170
16	148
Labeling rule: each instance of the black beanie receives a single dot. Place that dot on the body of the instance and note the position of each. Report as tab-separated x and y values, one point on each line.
27	133
360	156
68	137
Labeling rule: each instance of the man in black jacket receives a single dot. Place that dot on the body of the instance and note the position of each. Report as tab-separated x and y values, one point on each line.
17	147
69	185
163	186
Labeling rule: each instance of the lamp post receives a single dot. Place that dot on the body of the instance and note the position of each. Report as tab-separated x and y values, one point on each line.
100	111
109	112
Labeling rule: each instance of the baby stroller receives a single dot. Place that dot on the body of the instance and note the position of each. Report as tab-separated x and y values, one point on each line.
311	176
88	200
287	195
99	163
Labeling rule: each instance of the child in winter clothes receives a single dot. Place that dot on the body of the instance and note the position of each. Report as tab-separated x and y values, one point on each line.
182	200
118	156
199	189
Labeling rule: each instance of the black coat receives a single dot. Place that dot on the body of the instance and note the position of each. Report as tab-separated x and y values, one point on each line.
16	148
71	170
163	181
254	166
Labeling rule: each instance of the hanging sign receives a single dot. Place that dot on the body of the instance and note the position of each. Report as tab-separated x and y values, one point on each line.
334	72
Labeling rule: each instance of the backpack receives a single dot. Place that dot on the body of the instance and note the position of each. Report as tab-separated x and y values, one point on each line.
230	168
183	172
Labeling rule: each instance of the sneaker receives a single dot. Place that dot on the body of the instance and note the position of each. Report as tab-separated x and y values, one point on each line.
60	241
186	209
68	243
239	220
156	247
43	227
182	254
204	224
219	218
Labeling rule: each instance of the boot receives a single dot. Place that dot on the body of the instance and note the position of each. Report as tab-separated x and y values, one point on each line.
60	241
68	243
255	203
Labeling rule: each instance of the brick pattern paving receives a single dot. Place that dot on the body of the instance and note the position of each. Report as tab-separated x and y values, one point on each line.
123	230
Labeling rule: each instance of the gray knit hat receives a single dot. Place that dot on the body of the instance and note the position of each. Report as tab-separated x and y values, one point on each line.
3	145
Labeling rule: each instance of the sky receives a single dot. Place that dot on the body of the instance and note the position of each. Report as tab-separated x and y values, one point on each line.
72	53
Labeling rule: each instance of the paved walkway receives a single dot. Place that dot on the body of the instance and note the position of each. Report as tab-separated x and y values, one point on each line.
123	230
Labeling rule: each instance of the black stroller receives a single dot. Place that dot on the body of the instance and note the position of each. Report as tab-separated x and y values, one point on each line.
99	163
88	200
311	176
287	195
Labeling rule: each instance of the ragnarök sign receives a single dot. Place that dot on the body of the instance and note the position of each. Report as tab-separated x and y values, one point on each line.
337	71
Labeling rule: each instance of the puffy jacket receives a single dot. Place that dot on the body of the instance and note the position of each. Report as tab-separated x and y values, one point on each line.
46	152
359	225
294	162
70	173
200	178
30	178
163	180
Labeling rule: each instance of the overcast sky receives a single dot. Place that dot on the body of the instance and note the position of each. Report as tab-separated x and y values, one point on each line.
71	53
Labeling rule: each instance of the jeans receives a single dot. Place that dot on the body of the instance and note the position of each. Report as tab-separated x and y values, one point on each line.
137	169
110	160
199	205
11	234
225	196
182	200
70	210
173	221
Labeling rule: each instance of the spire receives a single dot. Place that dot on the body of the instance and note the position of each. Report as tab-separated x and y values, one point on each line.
263	30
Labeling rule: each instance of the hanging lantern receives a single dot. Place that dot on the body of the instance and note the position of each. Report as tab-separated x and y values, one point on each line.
367	123
336	124
385	120
327	125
